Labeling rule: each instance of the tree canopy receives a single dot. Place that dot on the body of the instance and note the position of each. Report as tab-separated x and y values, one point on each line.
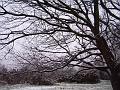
76	31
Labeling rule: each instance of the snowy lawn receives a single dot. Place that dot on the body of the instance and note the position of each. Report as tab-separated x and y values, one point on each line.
104	85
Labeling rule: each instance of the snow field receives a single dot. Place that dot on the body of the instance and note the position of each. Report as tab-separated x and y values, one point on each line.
104	85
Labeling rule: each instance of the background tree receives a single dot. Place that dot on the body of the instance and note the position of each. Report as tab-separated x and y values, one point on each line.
78	30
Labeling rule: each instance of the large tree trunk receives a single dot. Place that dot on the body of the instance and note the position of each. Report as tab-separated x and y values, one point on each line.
110	61
102	45
115	80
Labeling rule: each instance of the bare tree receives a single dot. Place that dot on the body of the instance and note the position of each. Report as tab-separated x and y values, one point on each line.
77	29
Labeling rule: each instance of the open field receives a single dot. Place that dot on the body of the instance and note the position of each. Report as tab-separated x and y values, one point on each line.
104	85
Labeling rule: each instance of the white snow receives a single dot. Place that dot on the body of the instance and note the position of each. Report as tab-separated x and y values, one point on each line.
104	85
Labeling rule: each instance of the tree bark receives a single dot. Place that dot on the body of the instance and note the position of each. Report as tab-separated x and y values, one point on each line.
115	80
105	50
110	61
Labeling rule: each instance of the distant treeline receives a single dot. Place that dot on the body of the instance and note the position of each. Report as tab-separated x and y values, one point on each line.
25	75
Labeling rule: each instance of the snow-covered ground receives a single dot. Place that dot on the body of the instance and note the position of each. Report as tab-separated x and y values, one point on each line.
104	85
